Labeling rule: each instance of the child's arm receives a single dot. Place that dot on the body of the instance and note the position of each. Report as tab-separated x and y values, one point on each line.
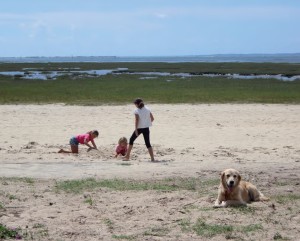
151	117
87	144
117	151
136	124
94	145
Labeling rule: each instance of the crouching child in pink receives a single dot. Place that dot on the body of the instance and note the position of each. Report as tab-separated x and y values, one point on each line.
121	148
83	139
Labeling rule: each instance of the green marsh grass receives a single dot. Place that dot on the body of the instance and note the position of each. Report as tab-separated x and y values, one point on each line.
185	225
209	230
168	184
27	180
288	198
219	68
122	88
278	236
89	201
11	197
109	223
244	210
123	237
157	231
202	228
124	164
9	233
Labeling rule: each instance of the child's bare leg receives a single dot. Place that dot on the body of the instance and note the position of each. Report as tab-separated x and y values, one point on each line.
74	149
63	151
150	150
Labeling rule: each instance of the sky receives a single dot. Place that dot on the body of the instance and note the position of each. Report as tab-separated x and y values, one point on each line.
148	27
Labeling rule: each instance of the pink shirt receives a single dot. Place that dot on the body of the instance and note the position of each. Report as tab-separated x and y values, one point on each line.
121	149
83	137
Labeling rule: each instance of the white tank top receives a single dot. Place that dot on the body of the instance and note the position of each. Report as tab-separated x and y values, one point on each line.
144	117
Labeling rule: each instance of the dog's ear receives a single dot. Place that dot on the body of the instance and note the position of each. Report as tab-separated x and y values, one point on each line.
239	177
223	181
222	175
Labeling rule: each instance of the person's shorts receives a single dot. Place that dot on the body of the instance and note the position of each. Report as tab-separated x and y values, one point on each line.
74	141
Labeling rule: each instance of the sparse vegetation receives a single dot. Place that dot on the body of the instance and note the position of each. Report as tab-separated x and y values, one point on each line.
18	179
109	223
124	237
202	228
9	233
168	184
287	198
156	231
89	200
184	204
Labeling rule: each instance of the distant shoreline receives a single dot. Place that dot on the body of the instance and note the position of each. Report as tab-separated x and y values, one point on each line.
255	58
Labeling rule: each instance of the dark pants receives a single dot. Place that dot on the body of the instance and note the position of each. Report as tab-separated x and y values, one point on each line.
146	134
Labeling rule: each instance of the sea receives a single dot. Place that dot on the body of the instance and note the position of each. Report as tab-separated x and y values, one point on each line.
255	58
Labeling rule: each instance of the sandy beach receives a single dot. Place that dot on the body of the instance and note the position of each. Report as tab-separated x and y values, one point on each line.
259	140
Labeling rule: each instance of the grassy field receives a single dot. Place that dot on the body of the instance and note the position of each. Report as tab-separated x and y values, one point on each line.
122	88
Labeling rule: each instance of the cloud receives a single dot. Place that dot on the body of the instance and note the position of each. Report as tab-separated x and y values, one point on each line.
161	15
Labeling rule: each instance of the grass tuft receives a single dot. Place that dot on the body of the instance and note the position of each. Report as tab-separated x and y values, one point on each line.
209	230
289	198
156	231
124	237
27	180
9	233
201	228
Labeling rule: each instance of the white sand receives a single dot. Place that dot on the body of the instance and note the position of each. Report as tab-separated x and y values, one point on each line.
186	139
261	141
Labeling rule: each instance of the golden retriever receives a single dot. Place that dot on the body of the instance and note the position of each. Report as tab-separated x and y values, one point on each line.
234	192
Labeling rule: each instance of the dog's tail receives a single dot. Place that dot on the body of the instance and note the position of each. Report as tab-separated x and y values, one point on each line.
255	196
262	197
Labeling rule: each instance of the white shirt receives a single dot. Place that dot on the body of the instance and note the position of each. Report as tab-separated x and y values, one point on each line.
144	117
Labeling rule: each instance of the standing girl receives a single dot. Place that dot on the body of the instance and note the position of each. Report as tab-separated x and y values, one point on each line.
143	120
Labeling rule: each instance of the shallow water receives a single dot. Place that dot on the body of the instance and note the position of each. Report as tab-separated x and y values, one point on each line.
255	58
147	75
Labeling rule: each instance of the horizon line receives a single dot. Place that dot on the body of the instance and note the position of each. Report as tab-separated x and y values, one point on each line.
146	56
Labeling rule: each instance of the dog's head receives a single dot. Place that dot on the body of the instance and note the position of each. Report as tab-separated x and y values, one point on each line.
230	178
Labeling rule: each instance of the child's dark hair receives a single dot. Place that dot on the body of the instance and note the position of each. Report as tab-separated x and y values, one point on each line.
139	102
95	132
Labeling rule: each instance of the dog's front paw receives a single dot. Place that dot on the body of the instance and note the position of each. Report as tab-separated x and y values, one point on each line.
219	205
223	204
